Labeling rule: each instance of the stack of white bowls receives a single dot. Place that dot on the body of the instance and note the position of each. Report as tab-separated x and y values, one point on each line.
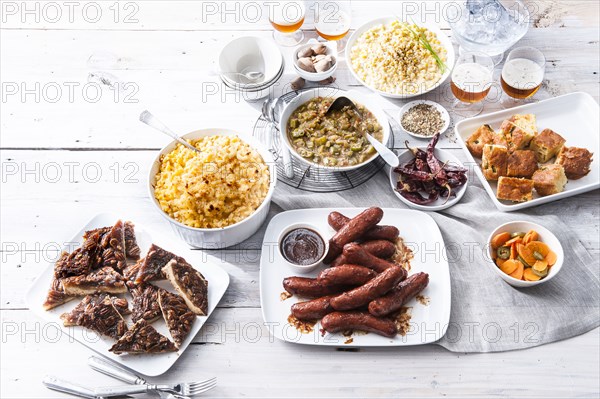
251	54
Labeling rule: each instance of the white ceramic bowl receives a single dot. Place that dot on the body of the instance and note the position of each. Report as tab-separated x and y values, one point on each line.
442	111
440	203
249	53
546	236
368	101
443	38
226	236
302	268
314	76
254	93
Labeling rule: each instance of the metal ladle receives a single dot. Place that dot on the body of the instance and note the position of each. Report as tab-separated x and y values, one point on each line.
388	156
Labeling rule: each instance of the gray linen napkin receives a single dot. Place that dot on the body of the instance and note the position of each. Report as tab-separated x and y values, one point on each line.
489	315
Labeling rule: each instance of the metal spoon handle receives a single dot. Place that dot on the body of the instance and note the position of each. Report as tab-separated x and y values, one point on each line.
111	369
150	120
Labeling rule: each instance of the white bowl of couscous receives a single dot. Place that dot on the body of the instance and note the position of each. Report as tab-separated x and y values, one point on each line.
218	198
385	56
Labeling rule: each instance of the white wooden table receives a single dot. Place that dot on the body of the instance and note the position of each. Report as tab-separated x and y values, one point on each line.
69	152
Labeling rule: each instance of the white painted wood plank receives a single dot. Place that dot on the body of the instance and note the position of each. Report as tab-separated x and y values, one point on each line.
249	363
170	71
250	14
196	15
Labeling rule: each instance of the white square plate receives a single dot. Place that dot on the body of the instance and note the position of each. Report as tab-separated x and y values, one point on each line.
574	116
149	365
420	233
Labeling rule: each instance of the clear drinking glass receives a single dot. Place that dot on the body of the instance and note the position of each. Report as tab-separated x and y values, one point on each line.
522	76
471	82
332	21
287	17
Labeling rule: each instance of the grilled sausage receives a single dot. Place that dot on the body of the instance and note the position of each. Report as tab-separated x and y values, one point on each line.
362	321
352	231
310	287
356	254
353	275
375	288
396	298
390	233
312	310
380	248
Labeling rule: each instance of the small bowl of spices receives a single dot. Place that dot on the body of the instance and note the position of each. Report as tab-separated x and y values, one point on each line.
424	119
302	247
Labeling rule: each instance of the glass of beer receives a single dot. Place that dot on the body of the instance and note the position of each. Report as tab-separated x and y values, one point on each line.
522	76
332	21
471	82
287	17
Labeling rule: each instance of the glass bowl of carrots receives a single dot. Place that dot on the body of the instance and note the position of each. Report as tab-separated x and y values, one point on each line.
525	254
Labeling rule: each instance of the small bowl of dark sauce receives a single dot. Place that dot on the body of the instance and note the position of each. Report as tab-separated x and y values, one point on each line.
302	246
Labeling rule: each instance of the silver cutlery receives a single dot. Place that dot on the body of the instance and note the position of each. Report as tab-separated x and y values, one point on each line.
63	386
114	370
388	155
184	388
59	385
150	120
251	76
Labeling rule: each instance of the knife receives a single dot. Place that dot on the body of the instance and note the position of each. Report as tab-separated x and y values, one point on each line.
59	385
55	384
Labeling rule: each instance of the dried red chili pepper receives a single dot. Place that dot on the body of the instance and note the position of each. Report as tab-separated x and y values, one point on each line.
427	174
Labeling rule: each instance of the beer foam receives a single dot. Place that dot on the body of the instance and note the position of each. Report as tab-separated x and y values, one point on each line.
471	77
333	25
522	74
287	12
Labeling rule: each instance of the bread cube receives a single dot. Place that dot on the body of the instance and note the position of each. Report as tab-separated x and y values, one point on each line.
549	179
521	163
575	161
546	145
518	131
494	161
514	189
482	136
499	139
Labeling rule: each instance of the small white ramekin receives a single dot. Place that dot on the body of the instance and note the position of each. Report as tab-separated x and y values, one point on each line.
302	268
314	76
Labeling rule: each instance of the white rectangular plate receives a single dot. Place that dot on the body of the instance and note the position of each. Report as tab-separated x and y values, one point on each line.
420	233
574	116
149	365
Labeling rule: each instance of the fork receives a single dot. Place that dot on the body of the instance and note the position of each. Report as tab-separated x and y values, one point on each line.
119	372
187	389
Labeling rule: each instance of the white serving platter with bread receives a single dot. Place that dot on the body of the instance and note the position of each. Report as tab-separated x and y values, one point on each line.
146	364
574	116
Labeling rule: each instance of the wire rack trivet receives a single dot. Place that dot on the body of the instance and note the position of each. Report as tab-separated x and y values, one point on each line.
312	179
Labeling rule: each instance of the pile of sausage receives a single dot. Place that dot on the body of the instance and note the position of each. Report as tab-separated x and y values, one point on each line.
362	288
